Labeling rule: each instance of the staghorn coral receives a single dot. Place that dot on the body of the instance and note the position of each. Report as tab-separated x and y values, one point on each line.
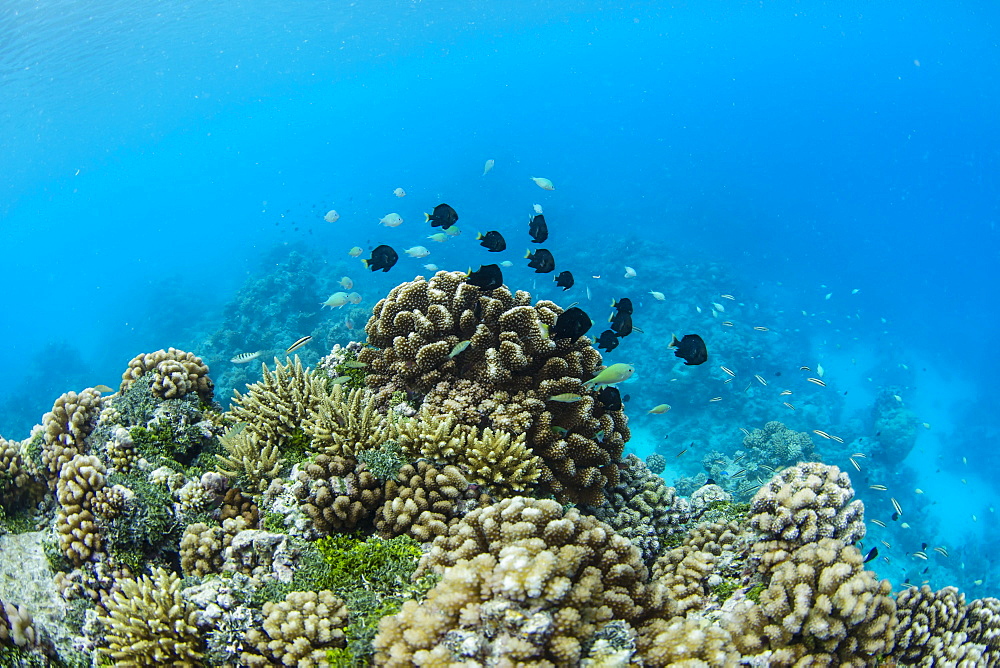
345	422
502	380
818	601
422	500
147	622
79	480
642	508
298	631
806	502
175	374
524	582
253	462
66	426
336	493
777	445
275	408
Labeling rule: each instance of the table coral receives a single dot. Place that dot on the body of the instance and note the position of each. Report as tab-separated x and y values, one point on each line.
503	379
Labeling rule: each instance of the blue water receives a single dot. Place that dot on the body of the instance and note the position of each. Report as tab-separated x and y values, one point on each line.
157	157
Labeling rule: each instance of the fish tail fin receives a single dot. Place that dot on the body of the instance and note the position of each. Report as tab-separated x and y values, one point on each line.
427	217
527	254
480	235
673	340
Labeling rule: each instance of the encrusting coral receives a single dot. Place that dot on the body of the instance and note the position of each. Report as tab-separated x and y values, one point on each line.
522	581
503	378
147	622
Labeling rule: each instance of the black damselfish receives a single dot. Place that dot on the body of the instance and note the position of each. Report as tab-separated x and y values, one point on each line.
607	341
621	319
444	217
570	324
487	277
565	280
872	553
541	261
691	349
538	230
623	305
611	398
383	257
492	241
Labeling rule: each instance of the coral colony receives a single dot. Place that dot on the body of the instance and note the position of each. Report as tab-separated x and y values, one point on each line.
450	491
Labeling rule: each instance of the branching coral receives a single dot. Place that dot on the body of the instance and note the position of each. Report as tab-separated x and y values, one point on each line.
523	581
806	502
818	601
937	628
275	407
147	622
777	445
345	422
505	377
336	493
175	373
422	500
642	508
67	425
299	630
79	479
253	462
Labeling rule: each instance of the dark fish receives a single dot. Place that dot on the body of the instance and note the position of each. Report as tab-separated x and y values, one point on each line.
564	280
571	324
610	398
487	277
623	305
923	546
444	217
710	481
541	261
607	341
895	516
538	230
383	257
872	553
621	323
628	398
621	319
492	241
691	349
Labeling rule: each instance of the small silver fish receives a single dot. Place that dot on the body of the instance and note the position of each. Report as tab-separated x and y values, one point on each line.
243	358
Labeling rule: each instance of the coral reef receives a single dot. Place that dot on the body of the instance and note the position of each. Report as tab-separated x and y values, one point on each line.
777	445
522	581
503	379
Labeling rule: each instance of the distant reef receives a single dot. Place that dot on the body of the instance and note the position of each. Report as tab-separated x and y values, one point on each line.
419	498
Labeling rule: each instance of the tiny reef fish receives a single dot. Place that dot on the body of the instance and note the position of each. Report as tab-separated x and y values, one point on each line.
816	381
878	488
895	504
298	344
243	358
762	329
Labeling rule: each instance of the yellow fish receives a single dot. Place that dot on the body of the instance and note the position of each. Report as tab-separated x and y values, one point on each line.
103	388
656	410
440	237
612	375
459	347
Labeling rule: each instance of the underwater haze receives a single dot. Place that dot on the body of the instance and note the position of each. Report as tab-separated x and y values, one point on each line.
833	167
